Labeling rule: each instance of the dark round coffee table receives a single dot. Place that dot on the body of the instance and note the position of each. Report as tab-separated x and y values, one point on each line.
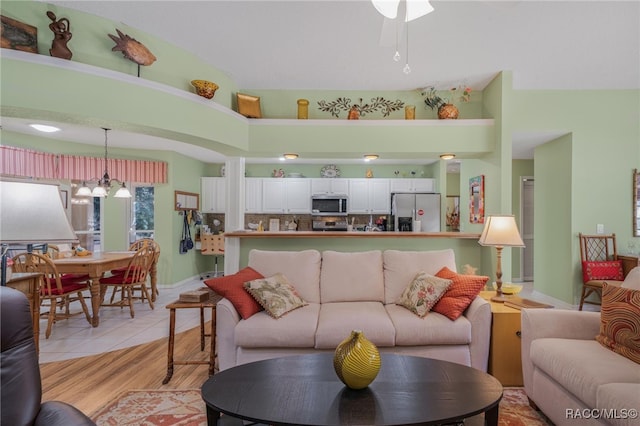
304	390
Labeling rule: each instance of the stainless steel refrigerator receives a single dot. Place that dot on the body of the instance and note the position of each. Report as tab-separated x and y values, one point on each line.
408	209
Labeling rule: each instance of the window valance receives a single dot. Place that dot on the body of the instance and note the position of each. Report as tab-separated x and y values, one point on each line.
29	163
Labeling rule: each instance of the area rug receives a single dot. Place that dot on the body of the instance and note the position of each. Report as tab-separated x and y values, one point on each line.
186	408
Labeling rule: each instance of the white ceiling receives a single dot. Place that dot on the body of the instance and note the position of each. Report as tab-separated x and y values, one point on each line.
347	45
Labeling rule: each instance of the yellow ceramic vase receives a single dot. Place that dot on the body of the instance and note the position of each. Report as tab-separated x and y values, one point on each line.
205	88
356	361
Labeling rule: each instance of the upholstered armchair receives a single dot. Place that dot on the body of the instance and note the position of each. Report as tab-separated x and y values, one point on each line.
21	389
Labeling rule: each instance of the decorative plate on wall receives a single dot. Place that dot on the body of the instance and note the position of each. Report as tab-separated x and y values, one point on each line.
330	171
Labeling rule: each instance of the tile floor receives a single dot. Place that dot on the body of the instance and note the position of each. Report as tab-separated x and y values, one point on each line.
74	337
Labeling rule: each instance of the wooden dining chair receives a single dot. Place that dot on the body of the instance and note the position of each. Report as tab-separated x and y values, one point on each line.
143	243
600	264
58	291
133	278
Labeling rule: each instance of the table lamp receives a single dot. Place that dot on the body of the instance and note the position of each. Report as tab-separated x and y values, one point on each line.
500	231
31	213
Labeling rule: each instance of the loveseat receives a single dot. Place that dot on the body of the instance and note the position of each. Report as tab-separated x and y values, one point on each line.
584	367
347	291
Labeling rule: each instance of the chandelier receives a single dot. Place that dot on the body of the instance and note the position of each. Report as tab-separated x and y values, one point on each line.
104	183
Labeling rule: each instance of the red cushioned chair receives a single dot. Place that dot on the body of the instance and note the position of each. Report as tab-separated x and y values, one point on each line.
600	264
134	278
59	292
147	243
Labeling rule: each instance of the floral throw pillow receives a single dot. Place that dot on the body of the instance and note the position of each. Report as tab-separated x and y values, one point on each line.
620	321
275	294
422	293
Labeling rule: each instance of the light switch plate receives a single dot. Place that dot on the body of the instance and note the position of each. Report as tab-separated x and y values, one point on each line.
600	228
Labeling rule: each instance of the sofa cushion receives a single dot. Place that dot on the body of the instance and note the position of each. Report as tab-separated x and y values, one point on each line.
581	366
295	330
338	319
632	280
401	266
422	293
603	270
351	277
275	294
621	397
433	329
302	268
232	288
460	294
620	321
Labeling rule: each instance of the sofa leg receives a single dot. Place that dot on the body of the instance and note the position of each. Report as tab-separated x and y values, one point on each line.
533	404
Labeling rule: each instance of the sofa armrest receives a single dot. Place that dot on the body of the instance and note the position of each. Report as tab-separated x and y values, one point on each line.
479	315
54	413
226	320
553	323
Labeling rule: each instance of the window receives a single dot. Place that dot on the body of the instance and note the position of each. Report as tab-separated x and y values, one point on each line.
86	219
141	213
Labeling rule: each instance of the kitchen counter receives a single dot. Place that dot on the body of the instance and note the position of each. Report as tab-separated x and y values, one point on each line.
354	234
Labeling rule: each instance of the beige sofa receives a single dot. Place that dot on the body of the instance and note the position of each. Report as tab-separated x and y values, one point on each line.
347	291
571	377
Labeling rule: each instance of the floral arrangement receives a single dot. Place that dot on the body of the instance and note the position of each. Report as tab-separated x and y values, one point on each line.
434	101
344	104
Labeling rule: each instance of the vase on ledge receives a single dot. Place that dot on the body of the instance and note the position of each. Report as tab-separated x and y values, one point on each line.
448	112
356	361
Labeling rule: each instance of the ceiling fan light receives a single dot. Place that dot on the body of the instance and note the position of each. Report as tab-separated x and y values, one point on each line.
417	9
387	8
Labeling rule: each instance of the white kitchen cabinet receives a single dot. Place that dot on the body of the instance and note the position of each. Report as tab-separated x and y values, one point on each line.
412	185
369	196
253	195
287	195
213	192
329	186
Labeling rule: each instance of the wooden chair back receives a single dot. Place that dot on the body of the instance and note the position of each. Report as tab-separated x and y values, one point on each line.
598	248
34	262
139	266
149	243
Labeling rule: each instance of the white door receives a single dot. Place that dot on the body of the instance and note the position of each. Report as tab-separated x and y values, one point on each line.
253	195
379	196
273	196
298	196
358	196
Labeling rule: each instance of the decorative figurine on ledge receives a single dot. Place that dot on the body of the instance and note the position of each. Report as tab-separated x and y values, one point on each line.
62	34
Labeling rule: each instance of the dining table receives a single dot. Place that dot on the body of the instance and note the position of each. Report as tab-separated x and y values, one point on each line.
96	265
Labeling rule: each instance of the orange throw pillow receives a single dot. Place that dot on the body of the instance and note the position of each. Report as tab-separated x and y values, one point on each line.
460	294
232	288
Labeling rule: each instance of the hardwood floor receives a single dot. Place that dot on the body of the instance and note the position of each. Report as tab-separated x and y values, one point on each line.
91	382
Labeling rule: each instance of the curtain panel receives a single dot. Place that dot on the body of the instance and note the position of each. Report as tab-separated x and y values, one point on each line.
29	163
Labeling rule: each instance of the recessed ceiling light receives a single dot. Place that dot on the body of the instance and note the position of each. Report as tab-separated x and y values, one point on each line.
370	157
447	156
290	156
44	128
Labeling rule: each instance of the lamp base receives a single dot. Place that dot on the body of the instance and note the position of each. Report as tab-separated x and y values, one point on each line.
500	298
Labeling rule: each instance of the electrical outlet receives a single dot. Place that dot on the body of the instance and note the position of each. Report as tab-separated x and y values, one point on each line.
600	228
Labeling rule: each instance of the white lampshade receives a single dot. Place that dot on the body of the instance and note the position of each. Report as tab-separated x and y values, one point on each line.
83	191
122	192
99	191
32	213
501	231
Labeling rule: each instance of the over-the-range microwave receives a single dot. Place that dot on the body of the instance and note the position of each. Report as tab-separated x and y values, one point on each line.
329	205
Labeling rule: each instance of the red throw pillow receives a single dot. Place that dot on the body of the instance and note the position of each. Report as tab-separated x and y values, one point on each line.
460	294
232	288
600	271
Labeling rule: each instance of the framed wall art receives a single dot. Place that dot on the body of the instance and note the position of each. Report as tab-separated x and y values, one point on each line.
17	35
476	199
